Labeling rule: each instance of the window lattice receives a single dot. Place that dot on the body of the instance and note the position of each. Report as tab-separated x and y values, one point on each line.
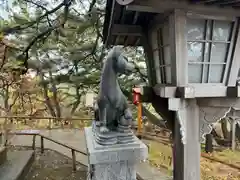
162	55
208	44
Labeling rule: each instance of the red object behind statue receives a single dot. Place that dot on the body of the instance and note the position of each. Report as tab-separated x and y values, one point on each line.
136	95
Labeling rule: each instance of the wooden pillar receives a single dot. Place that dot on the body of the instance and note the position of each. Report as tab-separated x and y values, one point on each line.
149	56
34	142
139	117
187	155
74	160
42	145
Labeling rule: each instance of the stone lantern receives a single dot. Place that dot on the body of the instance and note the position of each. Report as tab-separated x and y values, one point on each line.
192	50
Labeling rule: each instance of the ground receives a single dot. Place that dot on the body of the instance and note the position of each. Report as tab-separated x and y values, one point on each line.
54	166
59	167
161	155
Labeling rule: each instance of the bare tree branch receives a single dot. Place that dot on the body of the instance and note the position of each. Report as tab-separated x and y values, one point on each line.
92	5
48	31
38	5
14	101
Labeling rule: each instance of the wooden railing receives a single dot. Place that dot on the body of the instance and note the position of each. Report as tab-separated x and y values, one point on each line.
11	123
41	117
53	122
42	137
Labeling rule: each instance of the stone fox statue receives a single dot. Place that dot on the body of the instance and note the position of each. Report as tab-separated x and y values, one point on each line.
111	103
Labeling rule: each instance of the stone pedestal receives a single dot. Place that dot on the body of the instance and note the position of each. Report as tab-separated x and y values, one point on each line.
114	162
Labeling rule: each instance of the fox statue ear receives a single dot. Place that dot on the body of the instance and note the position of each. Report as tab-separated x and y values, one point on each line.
117	51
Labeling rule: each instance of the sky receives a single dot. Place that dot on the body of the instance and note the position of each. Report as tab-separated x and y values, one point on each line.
3	5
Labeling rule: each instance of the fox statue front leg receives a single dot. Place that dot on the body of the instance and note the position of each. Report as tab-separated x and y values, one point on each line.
103	120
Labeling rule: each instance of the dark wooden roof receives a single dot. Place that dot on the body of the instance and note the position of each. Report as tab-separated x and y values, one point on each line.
122	17
232	3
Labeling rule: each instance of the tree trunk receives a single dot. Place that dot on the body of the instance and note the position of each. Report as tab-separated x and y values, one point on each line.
45	94
55	97
226	133
77	102
6	106
218	139
238	132
208	143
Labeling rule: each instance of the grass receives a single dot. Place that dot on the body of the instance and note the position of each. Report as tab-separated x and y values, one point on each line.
161	155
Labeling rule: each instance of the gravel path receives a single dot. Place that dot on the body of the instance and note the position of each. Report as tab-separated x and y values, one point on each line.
53	166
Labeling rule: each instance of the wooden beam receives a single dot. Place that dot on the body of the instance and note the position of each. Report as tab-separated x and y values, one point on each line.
122	19
219	102
178	47
233	91
229	59
149	57
158	21
234	67
229	2
197	91
165	91
126	30
110	23
163	6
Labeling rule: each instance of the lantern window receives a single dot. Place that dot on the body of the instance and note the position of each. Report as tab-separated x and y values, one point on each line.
208	43
162	54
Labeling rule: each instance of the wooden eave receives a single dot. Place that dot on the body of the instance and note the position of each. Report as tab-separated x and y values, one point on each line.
125	20
122	27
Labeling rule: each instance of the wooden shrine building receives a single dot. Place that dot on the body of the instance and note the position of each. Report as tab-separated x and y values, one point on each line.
192	50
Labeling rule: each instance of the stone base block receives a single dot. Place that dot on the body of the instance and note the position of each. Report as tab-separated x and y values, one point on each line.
3	155
114	162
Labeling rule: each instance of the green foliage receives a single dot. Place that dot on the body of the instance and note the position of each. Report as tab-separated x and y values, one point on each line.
66	55
20	19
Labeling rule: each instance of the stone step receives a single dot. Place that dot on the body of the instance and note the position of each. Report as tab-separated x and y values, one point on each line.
3	155
17	165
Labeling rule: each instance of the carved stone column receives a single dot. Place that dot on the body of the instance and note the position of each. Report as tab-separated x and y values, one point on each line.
186	139
193	120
